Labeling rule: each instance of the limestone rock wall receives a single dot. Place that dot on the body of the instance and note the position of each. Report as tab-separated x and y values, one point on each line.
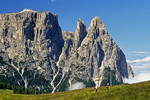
35	53
33	42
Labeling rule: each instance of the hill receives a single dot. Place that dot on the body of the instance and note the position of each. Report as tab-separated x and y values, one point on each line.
138	91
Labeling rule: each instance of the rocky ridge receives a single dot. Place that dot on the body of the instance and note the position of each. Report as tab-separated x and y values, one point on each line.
35	53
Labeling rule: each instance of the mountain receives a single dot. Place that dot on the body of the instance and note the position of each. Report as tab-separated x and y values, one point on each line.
35	53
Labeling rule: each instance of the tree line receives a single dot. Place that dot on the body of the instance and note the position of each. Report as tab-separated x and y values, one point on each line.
18	89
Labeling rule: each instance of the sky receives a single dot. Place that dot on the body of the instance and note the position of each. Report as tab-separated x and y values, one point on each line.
127	21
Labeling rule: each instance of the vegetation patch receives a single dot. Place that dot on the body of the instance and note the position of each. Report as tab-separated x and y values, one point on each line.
42	62
64	84
86	44
83	58
110	77
2	91
80	68
2	52
15	61
65	38
139	91
57	79
2	62
88	83
21	63
16	89
6	78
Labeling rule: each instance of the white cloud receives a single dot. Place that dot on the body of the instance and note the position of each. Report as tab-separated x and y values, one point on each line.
138	78
141	68
147	59
140	53
78	85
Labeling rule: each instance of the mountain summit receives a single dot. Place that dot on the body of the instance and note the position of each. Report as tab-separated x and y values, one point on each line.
27	10
35	53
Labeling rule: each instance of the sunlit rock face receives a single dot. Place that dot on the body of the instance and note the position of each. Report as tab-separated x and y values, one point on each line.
33	43
35	53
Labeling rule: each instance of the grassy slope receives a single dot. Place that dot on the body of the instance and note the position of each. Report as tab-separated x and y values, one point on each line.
6	91
139	91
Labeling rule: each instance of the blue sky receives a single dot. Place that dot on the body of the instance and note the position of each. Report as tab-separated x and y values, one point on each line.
127	21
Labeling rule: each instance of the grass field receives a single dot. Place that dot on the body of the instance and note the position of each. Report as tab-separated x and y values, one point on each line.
6	91
139	91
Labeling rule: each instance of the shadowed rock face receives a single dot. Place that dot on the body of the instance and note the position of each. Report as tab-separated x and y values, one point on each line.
40	56
80	33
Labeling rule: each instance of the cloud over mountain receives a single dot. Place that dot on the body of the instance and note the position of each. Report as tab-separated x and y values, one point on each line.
147	59
141	68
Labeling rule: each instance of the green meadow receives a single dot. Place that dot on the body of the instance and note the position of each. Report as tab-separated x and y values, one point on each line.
6	91
138	91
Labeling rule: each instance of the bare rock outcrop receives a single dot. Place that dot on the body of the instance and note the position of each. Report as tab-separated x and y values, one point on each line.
35	53
33	42
95	53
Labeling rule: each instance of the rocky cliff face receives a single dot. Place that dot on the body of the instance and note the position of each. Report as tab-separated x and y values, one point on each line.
36	54
33	43
95	53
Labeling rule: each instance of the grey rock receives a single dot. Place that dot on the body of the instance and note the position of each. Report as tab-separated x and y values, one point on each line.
42	56
33	41
80	33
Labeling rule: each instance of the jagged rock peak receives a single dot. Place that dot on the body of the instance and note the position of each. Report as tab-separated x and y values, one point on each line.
27	10
81	27
96	21
80	24
32	11
80	32
97	26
